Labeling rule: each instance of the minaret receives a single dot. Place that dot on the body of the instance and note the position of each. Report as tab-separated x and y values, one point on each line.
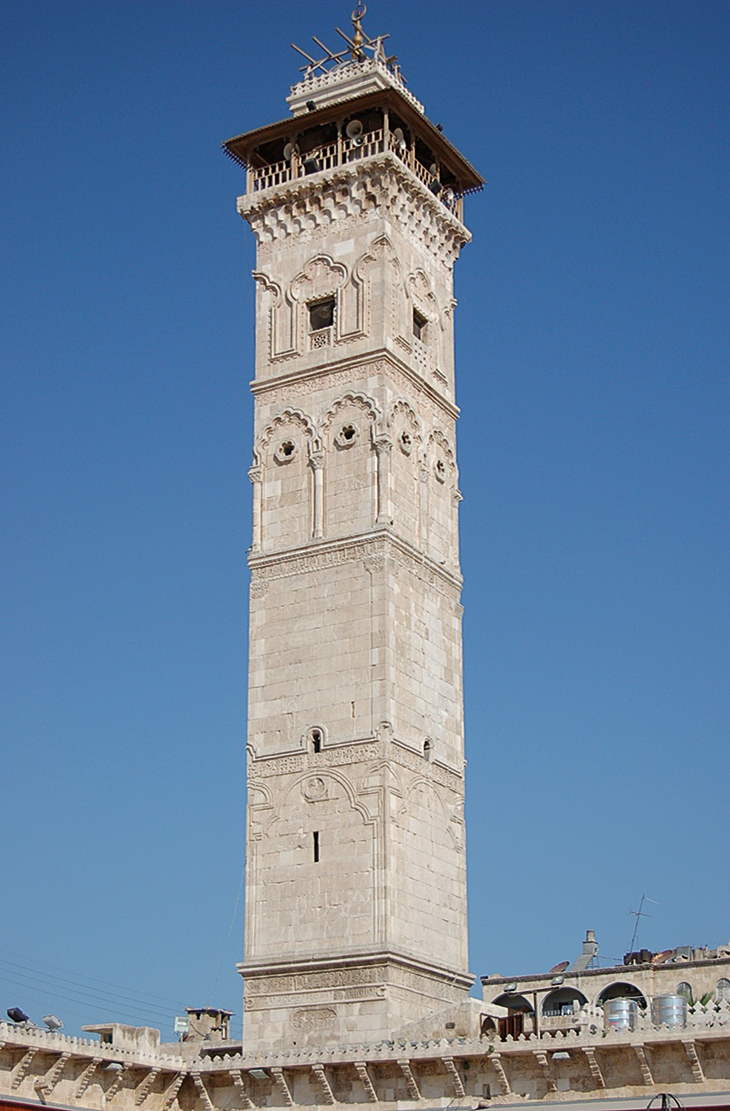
355	856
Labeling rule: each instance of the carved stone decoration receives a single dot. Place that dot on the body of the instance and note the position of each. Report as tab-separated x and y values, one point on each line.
347	436
348	432
434	408
358	400
314	789
321	278
314	1018
279	315
362	1071
351	194
381	252
285	452
287	416
88	1075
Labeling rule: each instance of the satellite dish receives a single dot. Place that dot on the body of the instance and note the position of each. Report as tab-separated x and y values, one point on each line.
17	1015
433	169
558	968
290	150
53	1022
449	196
354	129
400	139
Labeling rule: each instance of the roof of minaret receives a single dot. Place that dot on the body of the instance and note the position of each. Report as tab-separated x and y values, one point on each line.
363	73
325	77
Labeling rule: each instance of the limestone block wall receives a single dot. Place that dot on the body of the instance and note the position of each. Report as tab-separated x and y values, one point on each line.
355	847
692	1062
371	237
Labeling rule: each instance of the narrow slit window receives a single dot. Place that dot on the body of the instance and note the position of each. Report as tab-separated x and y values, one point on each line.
419	325
315	846
316	740
321	314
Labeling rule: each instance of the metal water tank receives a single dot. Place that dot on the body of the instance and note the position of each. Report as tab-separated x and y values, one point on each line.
621	1014
669	1009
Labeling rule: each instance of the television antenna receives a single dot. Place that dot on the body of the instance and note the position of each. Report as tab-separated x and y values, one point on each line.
640	913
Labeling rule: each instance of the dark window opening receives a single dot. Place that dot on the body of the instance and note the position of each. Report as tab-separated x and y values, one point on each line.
348	432
419	325
315	845
287	448
321	314
316	740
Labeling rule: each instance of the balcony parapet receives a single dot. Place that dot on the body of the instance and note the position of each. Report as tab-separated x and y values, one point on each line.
354	79
346	152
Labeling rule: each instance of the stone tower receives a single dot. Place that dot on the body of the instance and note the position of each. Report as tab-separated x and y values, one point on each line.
356	876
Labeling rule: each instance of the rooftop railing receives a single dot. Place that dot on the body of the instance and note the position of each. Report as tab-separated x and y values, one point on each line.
346	151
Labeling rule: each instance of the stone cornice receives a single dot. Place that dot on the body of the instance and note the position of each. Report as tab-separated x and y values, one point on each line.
377	958
370	364
340	755
373	186
367	546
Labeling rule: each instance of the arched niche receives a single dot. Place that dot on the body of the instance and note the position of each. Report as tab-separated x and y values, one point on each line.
621	990
563	1001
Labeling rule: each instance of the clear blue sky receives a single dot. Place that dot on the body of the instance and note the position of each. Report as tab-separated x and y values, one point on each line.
593	382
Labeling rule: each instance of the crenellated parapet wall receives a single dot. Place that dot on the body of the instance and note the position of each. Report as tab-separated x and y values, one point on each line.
691	1061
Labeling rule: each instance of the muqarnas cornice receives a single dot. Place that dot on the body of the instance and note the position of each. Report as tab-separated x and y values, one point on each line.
379	186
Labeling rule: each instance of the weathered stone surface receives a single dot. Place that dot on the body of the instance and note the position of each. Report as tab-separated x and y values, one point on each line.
356	876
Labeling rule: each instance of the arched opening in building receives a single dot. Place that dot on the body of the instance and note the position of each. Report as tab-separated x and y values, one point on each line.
722	991
621	990
521	1017
563	1001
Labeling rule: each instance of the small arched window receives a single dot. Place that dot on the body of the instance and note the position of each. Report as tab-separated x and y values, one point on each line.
427	749
685	990
316	739
722	991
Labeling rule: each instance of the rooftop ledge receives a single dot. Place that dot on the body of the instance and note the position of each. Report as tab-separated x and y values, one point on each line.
347	81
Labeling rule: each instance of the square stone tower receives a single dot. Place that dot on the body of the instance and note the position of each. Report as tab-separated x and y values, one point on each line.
356	877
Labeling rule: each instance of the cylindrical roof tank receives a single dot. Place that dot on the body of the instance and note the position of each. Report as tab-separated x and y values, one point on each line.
621	1014
669	1009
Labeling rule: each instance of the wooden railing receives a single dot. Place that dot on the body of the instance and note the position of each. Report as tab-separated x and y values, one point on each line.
348	151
